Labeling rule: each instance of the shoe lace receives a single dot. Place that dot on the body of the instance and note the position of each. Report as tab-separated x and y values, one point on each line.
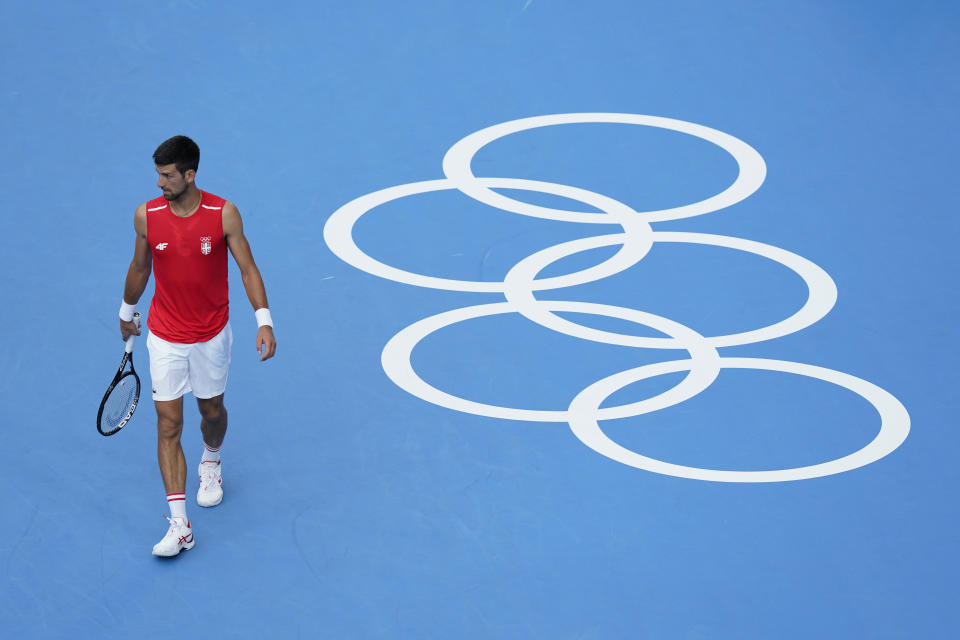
174	526
208	475
177	530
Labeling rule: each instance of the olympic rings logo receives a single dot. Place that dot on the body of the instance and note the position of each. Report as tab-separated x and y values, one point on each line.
637	237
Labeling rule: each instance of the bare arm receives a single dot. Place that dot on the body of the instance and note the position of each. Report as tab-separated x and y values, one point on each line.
139	272
252	280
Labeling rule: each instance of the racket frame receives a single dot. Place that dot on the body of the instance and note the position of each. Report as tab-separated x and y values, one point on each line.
120	375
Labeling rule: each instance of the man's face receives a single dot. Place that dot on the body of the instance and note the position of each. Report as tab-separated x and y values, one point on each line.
173	183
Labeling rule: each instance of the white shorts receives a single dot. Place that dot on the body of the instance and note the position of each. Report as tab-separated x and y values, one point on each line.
201	367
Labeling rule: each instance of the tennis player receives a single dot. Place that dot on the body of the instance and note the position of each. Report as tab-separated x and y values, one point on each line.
183	237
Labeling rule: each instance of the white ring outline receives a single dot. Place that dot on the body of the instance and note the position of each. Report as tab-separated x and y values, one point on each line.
458	159
821	290
396	361
894	422
338	231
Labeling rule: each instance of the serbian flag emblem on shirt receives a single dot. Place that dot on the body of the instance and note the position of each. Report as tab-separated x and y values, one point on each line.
206	245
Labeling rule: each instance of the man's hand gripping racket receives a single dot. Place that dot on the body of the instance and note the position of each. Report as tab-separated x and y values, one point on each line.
120	400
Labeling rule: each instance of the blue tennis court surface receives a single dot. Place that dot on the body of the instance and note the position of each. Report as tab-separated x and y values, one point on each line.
594	320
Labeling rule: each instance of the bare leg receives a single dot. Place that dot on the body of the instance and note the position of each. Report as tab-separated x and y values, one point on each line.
173	466
214	422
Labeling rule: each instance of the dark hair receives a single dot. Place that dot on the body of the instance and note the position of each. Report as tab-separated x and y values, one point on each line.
178	150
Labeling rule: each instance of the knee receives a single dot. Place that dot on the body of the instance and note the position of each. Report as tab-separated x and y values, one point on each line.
213	410
169	428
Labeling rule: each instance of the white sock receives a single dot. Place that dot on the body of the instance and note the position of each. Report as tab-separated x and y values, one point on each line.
210	454
178	506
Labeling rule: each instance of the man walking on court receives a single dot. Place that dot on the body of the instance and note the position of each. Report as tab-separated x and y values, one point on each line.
183	237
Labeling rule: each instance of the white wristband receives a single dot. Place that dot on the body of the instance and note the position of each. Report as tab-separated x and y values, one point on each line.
126	310
263	317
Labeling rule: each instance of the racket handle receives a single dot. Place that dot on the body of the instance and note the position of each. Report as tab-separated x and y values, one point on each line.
133	336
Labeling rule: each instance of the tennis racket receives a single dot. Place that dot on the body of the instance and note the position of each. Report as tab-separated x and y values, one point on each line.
120	400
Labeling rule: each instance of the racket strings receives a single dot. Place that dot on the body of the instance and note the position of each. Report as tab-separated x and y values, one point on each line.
119	403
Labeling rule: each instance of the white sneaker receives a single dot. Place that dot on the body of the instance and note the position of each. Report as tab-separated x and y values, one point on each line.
211	492
179	538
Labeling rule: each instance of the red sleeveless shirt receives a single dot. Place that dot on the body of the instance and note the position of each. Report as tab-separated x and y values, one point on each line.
190	300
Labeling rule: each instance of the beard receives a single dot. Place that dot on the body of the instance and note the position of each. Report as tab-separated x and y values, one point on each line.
170	196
